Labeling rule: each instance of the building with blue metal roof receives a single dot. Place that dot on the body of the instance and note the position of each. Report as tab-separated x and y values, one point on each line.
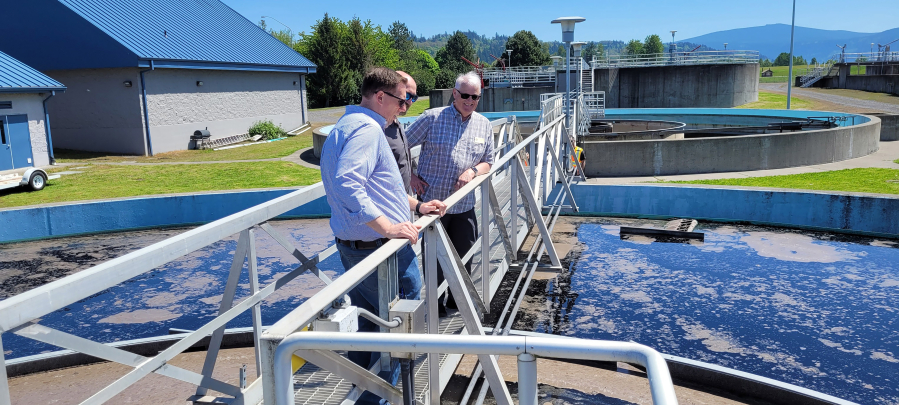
24	122
143	75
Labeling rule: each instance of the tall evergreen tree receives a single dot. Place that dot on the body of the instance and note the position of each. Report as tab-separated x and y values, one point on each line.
332	76
450	59
403	40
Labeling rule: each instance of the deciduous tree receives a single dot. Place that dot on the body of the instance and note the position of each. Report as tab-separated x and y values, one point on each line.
653	45
526	49
634	47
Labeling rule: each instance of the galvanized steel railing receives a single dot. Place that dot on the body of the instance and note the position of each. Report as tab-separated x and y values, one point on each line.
677	58
529	188
526	350
520	75
868	57
533	185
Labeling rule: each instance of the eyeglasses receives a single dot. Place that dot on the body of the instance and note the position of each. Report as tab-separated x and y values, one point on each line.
465	96
402	100
411	98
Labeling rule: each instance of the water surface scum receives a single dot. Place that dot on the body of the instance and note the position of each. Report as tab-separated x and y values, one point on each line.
185	293
814	309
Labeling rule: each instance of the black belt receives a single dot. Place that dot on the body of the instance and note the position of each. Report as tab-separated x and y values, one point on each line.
361	244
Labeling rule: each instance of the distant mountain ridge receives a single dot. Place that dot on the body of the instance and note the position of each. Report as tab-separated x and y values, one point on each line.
772	39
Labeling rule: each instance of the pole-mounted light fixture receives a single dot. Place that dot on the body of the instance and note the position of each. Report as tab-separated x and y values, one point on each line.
567	24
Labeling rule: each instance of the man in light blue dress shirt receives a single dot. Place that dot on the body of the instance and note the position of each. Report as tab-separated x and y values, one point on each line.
369	204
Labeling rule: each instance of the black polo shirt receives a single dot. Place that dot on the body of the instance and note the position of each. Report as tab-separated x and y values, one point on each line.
396	137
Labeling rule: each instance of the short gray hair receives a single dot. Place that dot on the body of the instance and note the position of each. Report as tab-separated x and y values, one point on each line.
471	78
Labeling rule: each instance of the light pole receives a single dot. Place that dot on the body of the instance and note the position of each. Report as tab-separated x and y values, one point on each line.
576	46
792	30
671	47
872	50
509	52
725	46
567	38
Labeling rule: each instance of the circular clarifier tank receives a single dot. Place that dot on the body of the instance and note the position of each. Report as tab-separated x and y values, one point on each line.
818	310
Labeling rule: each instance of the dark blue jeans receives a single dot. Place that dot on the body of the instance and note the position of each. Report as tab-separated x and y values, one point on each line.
365	295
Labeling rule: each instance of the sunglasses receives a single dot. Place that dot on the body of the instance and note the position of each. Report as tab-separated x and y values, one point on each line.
465	96
411	98
401	100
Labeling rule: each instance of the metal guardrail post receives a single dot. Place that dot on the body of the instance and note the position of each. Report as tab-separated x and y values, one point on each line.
257	310
527	379
485	245
430	258
4	381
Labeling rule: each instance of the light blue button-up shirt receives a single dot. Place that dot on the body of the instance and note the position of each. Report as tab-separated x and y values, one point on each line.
361	178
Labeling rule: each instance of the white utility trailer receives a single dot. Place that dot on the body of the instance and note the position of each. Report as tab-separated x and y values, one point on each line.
34	178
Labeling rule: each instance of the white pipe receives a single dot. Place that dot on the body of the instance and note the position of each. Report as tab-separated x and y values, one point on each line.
527	379
660	383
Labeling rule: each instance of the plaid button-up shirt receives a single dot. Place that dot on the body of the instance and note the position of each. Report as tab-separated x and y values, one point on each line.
449	147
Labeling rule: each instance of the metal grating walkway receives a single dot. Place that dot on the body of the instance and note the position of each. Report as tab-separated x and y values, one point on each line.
314	385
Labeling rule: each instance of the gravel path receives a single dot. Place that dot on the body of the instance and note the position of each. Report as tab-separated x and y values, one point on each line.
331	115
869	105
326	116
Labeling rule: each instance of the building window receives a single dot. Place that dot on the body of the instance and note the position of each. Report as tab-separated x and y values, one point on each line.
5	105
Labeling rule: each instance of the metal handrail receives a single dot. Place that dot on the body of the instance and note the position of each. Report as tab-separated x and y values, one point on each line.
677	58
660	384
309	310
20	314
869	57
519	75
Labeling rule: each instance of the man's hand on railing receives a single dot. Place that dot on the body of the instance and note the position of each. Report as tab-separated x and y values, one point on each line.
402	230
432	207
464	179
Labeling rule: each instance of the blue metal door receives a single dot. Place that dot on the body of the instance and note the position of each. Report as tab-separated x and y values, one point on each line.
20	140
5	150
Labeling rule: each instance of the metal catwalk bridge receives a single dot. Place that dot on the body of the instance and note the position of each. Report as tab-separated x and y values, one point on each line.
512	200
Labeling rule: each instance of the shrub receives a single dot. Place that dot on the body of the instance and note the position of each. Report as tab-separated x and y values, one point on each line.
267	129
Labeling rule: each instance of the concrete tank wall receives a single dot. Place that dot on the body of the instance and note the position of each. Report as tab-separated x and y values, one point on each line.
889	126
711	86
730	154
871	214
497	99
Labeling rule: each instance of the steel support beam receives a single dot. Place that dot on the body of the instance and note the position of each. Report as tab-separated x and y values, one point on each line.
454	275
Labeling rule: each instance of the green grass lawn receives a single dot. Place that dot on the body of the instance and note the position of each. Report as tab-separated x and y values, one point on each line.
269	150
779	102
417	108
112	181
868	180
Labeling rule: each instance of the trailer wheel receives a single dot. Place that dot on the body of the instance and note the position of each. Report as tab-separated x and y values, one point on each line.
37	181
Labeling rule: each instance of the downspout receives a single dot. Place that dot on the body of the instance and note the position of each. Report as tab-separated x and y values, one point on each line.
47	129
143	89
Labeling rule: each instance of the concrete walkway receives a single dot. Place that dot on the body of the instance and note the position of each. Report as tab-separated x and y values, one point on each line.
853	103
883	158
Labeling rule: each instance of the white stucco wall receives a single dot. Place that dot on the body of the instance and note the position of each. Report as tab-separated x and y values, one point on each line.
31	104
97	112
227	103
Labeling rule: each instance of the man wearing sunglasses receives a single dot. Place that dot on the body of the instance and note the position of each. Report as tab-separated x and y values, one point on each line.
456	146
368	204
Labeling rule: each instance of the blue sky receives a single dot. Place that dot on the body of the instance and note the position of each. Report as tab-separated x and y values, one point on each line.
617	20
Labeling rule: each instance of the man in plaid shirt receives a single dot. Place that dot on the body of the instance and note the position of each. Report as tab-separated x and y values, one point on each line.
456	146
